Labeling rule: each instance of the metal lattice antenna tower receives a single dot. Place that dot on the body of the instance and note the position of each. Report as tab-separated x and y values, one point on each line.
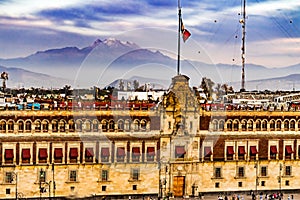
243	22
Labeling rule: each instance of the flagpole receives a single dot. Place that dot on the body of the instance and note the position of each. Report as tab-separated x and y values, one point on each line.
179	29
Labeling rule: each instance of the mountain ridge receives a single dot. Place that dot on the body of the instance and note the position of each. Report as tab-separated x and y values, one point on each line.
105	60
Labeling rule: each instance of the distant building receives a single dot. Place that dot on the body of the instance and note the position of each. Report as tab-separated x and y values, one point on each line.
133	95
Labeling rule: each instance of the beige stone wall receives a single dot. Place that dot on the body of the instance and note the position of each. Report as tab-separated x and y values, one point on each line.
88	180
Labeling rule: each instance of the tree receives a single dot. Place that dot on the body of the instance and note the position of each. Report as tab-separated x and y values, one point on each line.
121	84
136	84
207	86
219	91
67	90
225	88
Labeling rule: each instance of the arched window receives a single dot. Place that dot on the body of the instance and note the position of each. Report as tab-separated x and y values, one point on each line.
21	126
292	125
127	125
38	126
250	125
95	125
143	125
88	126
104	125
120	125
215	125
136	123
62	125
272	125
45	126
244	125
71	126
111	125
236	125
286	125
221	125
278	125
28	126
229	125
264	125
2	126
10	126
258	125
78	126
54	126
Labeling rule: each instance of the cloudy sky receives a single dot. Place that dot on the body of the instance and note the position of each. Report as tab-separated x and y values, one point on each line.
273	27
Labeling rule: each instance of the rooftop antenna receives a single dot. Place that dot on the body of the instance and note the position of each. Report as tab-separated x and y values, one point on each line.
243	22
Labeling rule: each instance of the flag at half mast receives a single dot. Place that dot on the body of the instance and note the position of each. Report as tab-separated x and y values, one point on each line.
185	33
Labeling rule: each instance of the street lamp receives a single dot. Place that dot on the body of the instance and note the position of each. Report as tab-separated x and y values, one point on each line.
15	177
256	177
42	178
279	177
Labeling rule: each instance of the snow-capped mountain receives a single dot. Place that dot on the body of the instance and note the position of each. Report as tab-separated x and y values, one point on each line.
104	61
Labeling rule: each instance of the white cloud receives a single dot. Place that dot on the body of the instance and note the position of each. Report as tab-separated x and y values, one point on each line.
27	8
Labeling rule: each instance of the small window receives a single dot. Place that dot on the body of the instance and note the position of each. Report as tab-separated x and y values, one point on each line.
135	173
73	175
103	188
287	182
7	191
9	177
288	170
104	175
263	183
217	185
263	171
240	184
72	188
179	152
134	187
218	172
241	172
169	125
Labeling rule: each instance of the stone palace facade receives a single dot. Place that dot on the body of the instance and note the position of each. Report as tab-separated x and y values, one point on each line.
175	148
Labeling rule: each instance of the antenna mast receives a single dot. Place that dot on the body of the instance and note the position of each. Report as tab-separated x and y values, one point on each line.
243	22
